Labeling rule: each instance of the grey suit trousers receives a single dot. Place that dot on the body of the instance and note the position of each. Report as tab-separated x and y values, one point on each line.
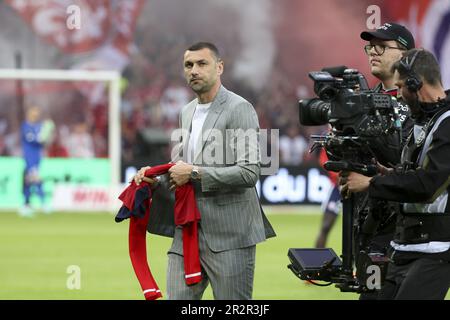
230	272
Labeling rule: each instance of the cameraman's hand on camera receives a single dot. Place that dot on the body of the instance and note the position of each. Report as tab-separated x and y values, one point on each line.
342	180
384	170
352	182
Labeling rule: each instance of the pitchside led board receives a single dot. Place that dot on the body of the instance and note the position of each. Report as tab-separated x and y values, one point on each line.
54	171
290	185
85	185
294	185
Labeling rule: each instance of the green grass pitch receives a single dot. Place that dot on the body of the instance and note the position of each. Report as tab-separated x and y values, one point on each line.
35	254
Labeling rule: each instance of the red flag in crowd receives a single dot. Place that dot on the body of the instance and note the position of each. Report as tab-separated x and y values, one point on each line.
100	21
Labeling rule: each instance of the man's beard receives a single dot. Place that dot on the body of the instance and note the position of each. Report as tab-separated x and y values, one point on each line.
414	106
200	88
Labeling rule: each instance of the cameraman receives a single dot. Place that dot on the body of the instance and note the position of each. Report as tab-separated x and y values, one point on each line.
385	47
420	262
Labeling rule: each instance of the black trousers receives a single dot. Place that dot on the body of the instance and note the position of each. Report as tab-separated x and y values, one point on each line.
417	279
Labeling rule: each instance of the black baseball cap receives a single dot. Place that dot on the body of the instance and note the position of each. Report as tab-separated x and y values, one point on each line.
391	31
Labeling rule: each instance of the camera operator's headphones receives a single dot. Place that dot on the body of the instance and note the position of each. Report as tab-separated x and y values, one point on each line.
412	82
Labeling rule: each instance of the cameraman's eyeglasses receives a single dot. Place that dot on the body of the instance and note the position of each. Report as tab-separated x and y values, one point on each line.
379	48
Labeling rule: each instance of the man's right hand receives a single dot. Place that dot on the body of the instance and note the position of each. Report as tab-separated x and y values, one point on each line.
140	176
384	170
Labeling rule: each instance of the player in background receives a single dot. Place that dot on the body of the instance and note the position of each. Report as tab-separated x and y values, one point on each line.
35	135
331	206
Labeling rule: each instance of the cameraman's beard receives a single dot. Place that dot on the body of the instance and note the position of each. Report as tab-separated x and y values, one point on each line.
414	106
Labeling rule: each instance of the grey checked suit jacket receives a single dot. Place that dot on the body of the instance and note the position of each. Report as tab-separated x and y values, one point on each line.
231	215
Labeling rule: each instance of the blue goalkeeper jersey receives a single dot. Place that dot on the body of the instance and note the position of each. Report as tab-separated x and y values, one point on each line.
31	145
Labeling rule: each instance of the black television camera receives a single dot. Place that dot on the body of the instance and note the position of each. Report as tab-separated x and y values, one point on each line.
348	105
358	118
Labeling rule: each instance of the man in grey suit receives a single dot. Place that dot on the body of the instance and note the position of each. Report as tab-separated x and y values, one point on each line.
219	153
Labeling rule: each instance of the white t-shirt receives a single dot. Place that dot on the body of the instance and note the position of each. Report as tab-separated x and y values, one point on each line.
200	113
429	247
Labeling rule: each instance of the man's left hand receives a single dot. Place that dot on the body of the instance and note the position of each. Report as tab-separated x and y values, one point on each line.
354	182
180	174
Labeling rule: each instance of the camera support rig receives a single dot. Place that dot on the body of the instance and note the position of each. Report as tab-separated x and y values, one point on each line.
365	125
354	155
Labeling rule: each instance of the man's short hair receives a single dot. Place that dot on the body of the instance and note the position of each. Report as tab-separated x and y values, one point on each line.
425	66
205	45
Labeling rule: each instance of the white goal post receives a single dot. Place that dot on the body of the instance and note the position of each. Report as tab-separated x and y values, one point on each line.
110	77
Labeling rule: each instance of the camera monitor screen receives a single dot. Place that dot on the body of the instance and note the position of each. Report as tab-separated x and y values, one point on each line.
314	258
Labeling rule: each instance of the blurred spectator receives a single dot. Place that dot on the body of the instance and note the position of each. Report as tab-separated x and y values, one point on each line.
80	143
2	146
3	126
173	99
100	144
139	117
293	147
12	144
128	143
57	149
100	119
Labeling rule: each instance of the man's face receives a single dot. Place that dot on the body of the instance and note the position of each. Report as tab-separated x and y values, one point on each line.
202	69
381	64
33	114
